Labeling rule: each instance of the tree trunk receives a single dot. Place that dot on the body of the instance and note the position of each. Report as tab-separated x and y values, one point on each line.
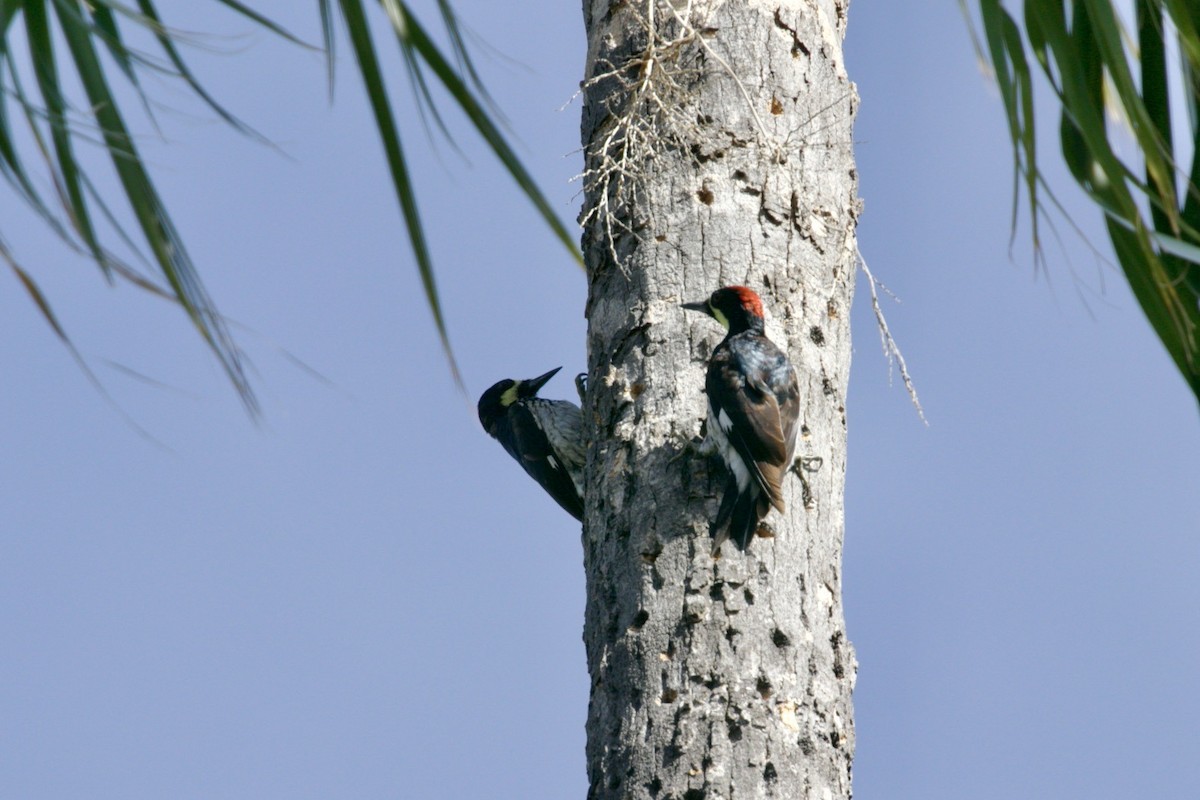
717	140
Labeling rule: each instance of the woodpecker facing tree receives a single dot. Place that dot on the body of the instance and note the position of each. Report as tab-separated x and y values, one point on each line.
544	436
753	407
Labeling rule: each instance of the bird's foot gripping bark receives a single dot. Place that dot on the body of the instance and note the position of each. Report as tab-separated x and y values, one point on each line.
704	448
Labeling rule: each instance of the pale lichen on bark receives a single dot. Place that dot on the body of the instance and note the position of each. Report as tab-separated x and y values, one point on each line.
718	145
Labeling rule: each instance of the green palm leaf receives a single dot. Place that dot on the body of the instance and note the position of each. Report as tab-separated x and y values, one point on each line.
74	207
1152	205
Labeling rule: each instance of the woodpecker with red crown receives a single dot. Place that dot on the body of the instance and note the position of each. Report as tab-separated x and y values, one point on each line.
753	408
544	436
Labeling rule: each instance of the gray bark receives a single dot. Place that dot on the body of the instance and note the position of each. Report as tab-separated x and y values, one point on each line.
717	141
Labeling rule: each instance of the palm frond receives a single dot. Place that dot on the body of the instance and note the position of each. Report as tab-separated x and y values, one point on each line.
1095	66
80	216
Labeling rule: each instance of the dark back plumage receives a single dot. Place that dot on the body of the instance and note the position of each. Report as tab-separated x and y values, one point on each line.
758	391
753	412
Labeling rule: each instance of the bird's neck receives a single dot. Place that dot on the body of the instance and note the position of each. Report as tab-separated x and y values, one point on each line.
751	324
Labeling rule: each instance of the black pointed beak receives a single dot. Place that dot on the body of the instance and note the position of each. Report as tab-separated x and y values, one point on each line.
700	305
531	386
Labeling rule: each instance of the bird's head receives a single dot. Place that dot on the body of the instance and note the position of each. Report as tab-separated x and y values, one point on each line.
737	308
495	402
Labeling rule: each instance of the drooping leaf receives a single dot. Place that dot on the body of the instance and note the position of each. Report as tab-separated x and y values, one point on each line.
368	64
152	217
412	34
84	219
1088	61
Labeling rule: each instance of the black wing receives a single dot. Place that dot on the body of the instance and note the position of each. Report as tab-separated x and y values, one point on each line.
538	458
753	385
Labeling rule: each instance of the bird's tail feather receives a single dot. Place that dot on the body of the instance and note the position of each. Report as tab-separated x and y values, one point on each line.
719	529
749	509
739	515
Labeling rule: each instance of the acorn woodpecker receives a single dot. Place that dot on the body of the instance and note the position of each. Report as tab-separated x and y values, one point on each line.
753	406
544	436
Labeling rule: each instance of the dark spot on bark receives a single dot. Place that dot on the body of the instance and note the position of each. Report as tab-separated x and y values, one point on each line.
735	731
798	46
636	390
780	638
806	494
811	463
776	106
817	335
731	634
749	595
831	310
654	787
660	238
827	387
835	739
669	695
804	431
656	579
763	687
712	683
670	754
639	620
717	592
769	773
739	175
635	699
694	794
635	336
706	196
835	641
806	746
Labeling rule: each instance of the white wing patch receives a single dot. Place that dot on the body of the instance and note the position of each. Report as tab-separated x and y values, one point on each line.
719	425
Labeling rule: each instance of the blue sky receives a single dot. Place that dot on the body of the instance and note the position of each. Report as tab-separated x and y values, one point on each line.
365	597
